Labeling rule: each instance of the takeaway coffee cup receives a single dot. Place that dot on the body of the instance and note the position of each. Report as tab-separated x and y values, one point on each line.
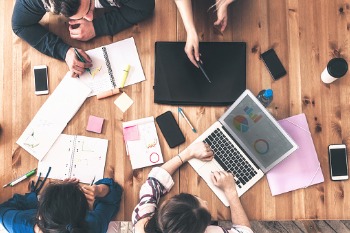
336	68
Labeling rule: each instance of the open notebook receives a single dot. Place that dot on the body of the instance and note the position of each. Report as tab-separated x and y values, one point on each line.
109	63
53	116
74	156
142	143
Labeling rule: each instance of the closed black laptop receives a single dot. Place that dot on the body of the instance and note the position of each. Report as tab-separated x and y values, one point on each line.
179	82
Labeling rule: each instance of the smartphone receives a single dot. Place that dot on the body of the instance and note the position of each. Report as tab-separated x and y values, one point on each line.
273	64
41	83
170	129
338	162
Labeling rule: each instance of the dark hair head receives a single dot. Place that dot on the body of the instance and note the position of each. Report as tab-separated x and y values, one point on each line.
62	208
181	214
66	8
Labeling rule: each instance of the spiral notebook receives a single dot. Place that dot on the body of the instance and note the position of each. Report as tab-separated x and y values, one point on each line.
74	156
108	67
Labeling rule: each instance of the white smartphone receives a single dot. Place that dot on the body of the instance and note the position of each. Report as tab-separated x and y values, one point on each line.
41	83
338	162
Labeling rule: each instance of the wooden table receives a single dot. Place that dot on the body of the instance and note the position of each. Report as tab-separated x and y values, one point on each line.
305	35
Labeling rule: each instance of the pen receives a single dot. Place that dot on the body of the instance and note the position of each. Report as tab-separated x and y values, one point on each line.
28	174
188	122
92	182
199	63
81	59
125	75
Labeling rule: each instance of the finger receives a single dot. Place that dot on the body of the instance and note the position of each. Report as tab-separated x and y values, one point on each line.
196	52
191	57
213	178
84	55
74	21
223	25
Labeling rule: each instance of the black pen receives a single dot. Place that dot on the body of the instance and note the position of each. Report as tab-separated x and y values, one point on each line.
202	69
81	59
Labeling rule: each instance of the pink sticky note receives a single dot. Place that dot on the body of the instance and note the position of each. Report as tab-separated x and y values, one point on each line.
131	133
95	124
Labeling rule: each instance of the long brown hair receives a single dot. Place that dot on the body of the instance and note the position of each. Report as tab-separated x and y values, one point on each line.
181	214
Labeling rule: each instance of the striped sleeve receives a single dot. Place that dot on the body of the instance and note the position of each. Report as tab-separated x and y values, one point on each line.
158	183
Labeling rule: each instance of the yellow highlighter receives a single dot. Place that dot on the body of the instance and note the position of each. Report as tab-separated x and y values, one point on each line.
125	75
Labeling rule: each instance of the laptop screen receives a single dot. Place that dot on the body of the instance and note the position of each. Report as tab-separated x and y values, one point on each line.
257	132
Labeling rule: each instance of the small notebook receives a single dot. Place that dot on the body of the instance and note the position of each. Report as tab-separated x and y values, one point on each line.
53	116
74	156
142	143
108	67
300	169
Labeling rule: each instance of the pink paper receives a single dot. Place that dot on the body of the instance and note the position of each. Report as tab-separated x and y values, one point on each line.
302	168
131	133
95	124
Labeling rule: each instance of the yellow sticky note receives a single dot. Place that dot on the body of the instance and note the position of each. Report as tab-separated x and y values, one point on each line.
123	102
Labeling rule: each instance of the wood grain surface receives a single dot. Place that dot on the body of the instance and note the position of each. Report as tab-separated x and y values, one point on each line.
305	35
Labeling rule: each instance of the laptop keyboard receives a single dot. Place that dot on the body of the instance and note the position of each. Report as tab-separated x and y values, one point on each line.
231	160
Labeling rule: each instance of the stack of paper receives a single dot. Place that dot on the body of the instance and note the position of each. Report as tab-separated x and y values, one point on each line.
300	169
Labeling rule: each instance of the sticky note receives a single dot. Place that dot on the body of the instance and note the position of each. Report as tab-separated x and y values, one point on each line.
95	124
131	133
123	102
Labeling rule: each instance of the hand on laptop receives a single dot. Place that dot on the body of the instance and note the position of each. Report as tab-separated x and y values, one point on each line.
224	180
199	150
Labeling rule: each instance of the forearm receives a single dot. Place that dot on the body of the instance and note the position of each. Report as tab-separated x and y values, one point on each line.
185	9
173	164
238	215
25	24
118	19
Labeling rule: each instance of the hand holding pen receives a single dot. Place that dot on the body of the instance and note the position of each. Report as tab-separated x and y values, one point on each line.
78	61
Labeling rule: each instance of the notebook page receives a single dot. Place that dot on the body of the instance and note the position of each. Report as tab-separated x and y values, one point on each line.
145	151
53	116
120	54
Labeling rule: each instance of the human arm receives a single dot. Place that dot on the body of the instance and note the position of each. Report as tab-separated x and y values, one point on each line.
18	209
25	24
224	181
221	8
106	205
192	42
114	20
160	182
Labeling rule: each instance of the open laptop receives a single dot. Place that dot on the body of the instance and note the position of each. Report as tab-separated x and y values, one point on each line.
246	141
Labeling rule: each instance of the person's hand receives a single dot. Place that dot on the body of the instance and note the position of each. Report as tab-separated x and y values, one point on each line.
221	7
74	64
81	29
91	193
199	150
192	48
71	180
224	180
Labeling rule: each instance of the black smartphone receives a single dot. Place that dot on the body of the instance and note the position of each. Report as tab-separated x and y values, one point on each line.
41	84
273	64
170	129
338	162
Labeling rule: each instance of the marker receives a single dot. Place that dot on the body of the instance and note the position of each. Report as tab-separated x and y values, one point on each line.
81	59
13	183
188	122
125	75
107	93
199	63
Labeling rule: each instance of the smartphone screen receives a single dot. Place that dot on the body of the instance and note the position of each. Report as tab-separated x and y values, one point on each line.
273	64
40	80
170	129
338	162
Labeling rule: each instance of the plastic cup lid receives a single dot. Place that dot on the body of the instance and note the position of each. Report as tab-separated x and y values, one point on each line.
268	93
337	67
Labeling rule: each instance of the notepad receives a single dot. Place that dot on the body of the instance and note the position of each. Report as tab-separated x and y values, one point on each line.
300	169
108	64
142	143
53	116
73	156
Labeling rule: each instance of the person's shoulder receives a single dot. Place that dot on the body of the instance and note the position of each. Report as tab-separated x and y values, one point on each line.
234	229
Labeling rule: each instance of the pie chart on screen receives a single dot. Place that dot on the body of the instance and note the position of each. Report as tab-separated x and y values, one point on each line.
240	123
